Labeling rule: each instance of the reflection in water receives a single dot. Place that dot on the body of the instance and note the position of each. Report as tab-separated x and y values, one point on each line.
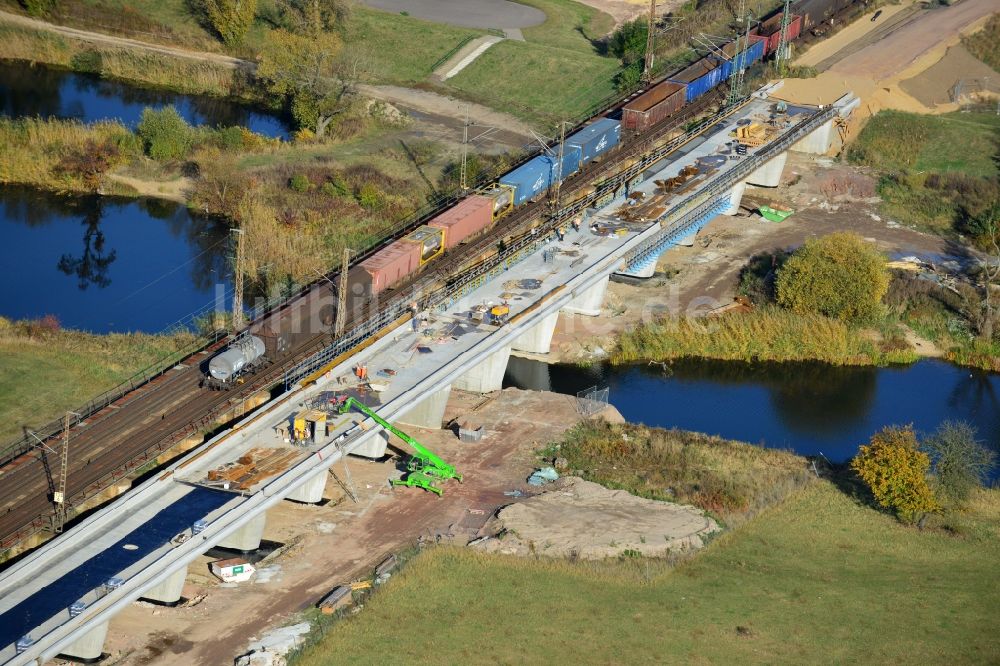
811	408
91	267
28	90
143	264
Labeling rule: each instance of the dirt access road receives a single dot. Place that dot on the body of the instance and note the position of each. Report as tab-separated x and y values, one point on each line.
423	102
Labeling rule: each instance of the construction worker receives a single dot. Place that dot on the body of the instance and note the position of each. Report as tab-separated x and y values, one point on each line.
560	234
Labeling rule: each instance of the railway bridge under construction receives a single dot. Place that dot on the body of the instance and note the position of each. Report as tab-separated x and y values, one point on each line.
60	598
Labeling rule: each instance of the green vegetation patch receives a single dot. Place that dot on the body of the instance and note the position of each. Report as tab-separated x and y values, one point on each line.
538	83
985	44
44	370
400	49
730	479
765	333
568	25
818	579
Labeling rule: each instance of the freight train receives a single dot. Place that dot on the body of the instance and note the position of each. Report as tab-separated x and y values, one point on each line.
528	182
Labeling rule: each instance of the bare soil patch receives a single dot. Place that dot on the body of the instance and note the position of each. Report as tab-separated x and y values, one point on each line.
937	84
584	520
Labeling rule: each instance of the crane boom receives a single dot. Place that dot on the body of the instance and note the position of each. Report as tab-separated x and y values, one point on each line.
424	466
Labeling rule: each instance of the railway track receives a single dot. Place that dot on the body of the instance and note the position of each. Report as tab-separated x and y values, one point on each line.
113	443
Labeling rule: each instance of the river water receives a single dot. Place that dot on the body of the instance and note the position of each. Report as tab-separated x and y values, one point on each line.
811	408
29	91
108	265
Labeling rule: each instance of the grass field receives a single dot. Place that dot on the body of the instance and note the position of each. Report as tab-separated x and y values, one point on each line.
985	44
952	142
43	373
400	49
818	579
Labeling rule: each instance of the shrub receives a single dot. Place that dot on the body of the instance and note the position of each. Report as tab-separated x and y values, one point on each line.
839	275
38	7
165	134
369	196
90	161
300	183
895	470
960	462
230	18
336	187
230	138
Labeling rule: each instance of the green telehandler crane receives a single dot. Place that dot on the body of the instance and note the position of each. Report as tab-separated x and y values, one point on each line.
423	468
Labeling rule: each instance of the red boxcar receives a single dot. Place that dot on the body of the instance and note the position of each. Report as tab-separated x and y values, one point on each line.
390	265
653	106
771	30
467	218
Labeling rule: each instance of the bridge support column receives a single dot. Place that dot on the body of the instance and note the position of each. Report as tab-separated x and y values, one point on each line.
538	338
89	647
589	301
735	196
644	269
374	447
248	537
169	591
769	175
310	492
817	142
487	376
429	412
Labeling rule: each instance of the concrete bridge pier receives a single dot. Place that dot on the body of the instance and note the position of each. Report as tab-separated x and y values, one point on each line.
89	647
374	447
735	197
645	268
310	492
589	301
248	537
429	412
487	376
169	590
769	174
538	338
817	142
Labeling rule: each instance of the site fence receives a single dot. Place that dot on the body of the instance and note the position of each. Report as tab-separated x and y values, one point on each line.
592	400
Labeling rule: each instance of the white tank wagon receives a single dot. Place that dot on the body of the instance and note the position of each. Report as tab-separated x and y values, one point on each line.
245	354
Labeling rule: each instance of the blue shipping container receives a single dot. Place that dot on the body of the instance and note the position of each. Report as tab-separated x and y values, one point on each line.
571	163
596	138
730	64
530	179
699	78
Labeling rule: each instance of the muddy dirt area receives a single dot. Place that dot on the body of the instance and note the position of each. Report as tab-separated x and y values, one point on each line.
827	196
580	519
958	73
341	540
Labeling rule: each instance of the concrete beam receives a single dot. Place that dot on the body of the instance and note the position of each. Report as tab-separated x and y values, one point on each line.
817	142
248	537
89	647
735	196
590	300
168	591
429	412
310	492
769	174
538	338
487	376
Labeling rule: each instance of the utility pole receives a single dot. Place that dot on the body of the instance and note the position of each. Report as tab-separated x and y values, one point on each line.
782	55
736	79
238	320
341	319
59	495
647	70
465	151
559	165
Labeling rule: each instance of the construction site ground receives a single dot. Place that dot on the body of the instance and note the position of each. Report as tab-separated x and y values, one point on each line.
827	196
872	59
342	541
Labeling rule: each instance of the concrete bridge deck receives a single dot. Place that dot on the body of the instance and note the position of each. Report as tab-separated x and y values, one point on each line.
58	600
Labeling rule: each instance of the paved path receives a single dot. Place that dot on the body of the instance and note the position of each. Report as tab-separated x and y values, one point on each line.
465	57
466	13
